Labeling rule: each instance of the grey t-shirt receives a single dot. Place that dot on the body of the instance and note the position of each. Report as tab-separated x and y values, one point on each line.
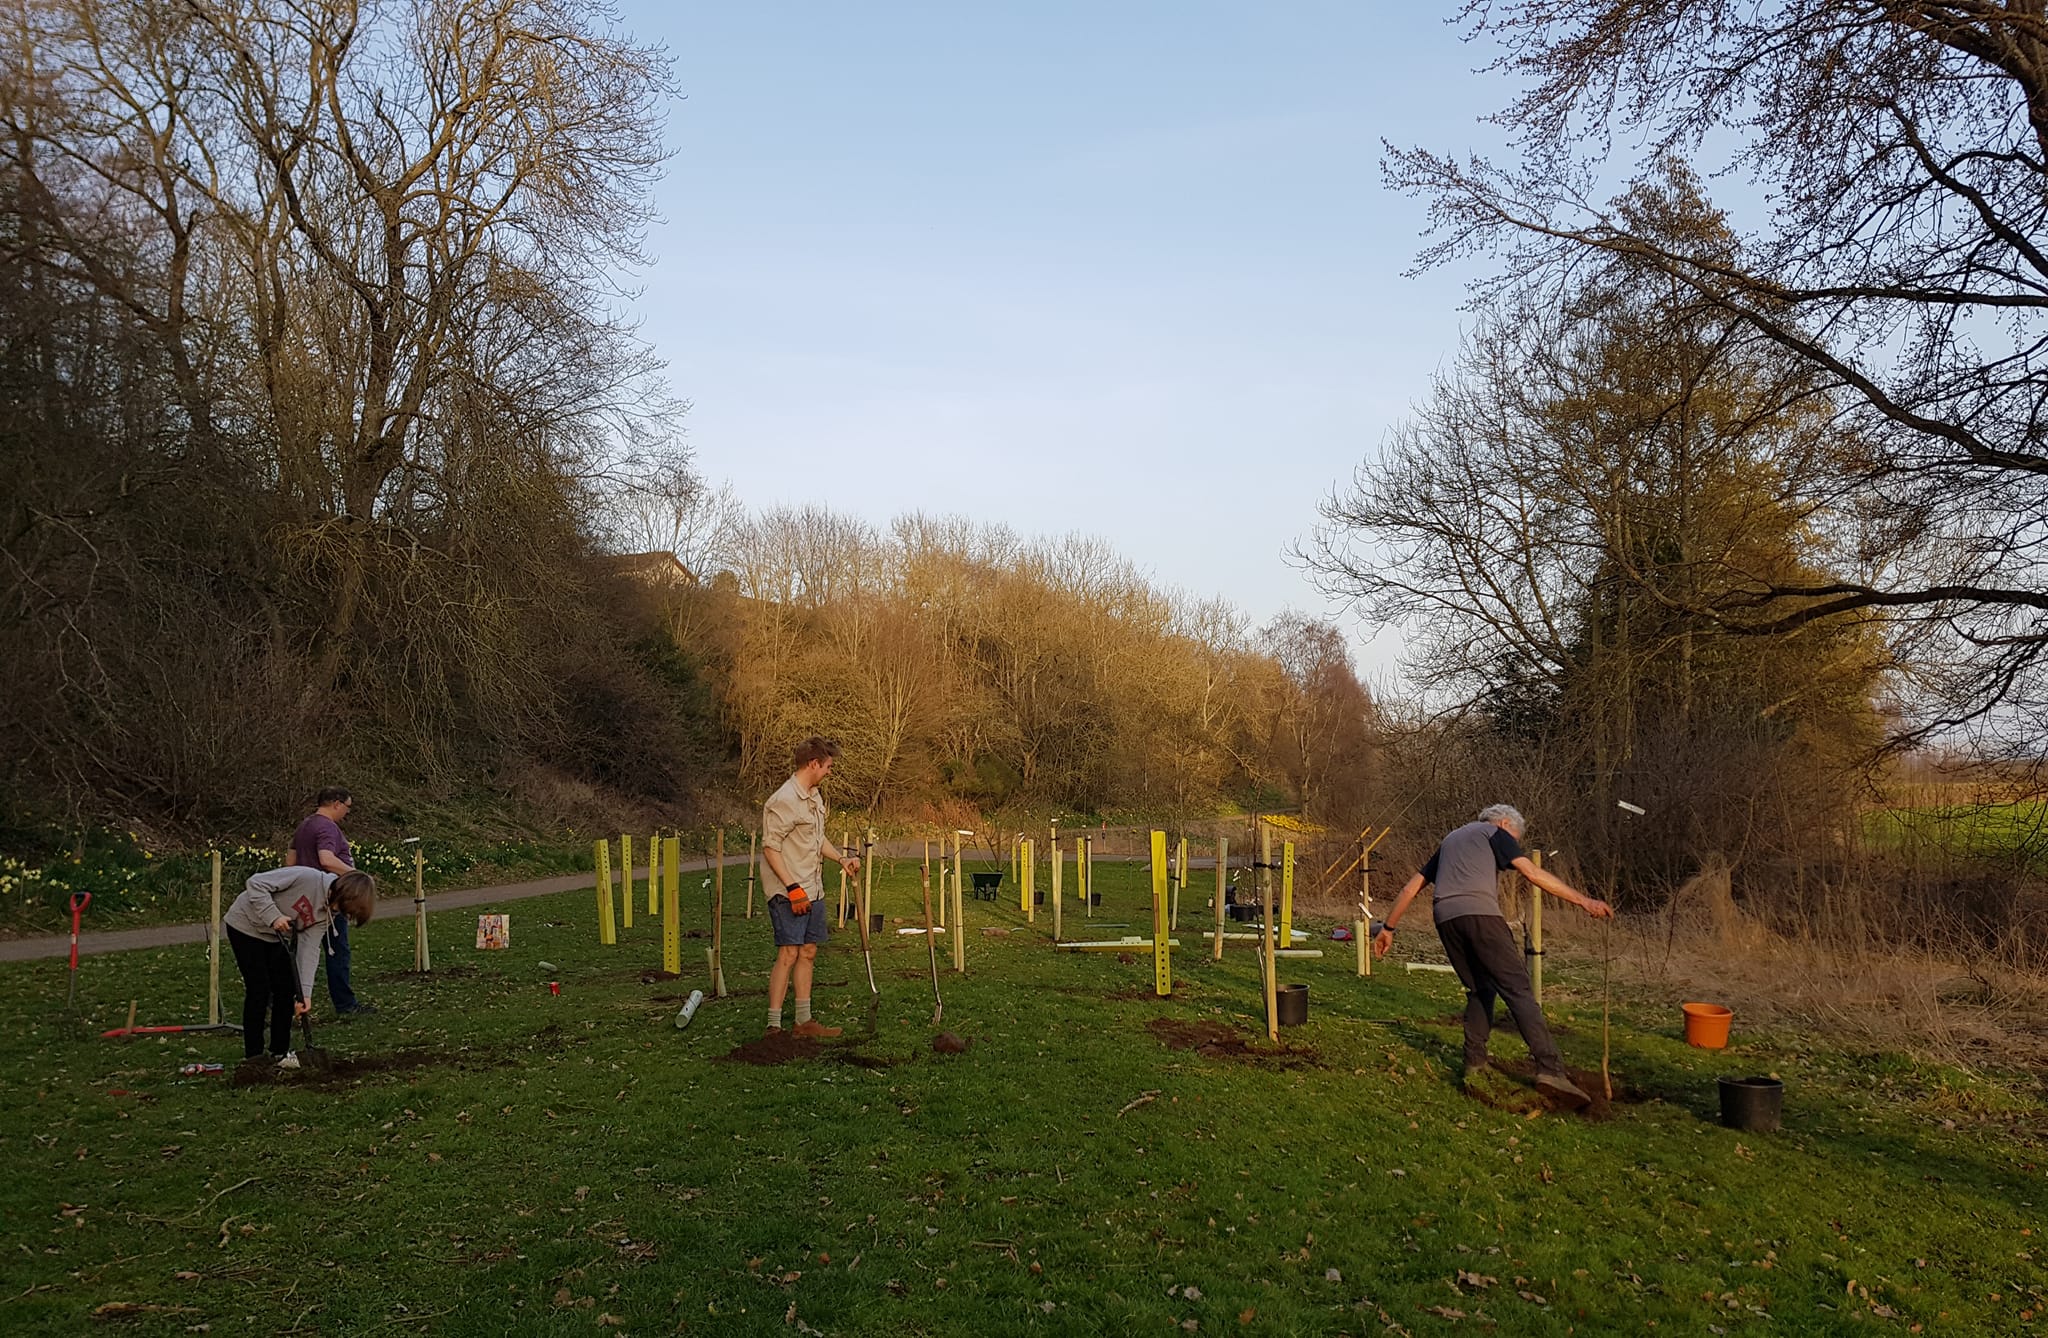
1465	869
294	893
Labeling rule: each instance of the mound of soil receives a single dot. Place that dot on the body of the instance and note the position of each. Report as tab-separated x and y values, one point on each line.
777	1049
1511	1088
1213	1040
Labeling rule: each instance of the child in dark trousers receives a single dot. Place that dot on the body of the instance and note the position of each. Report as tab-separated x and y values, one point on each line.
274	930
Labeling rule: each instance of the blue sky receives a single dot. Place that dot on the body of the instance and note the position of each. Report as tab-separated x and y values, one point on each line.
1126	269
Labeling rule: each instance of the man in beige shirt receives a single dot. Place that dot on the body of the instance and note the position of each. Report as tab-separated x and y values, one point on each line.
794	848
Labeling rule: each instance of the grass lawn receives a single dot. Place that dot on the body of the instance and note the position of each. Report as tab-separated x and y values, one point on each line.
507	1160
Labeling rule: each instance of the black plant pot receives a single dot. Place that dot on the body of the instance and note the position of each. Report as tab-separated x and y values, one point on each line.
1293	1005
1752	1104
875	923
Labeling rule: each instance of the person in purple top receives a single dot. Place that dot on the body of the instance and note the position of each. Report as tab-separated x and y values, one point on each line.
1478	943
319	844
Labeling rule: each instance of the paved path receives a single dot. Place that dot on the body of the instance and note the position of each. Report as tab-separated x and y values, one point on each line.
168	936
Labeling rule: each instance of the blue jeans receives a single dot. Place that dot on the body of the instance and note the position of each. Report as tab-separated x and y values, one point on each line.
336	952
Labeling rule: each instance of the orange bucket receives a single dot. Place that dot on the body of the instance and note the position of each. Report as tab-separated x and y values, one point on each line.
1706	1025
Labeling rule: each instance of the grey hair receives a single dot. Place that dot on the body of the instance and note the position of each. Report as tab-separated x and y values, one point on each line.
1506	813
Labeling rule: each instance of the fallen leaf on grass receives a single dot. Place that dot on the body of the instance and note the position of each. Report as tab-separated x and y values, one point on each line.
129	1309
1532	1298
1192	1293
610	1322
185	1275
1247	1315
1446	1312
1475	1279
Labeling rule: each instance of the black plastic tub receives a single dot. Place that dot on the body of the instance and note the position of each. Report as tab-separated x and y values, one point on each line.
1755	1104
1293	1005
875	922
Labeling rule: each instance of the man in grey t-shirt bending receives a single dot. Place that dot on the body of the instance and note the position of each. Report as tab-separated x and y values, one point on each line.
1478	943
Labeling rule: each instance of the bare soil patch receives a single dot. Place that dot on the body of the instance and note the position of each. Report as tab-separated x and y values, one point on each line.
1213	1040
323	1071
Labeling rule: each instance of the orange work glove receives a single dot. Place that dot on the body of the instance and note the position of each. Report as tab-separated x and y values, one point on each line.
799	900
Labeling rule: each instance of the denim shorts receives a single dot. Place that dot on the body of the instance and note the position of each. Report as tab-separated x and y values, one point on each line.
792	929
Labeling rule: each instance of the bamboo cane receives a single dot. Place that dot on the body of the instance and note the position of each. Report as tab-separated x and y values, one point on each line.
718	920
1222	873
932	951
212	951
1606	960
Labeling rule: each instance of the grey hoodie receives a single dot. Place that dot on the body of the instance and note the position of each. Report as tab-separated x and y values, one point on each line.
294	893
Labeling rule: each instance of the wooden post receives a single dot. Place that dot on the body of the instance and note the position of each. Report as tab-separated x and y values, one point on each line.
1162	954
1535	946
213	950
959	913
626	878
1057	859
1266	878
867	881
1287	894
1084	866
753	861
843	839
1029	856
422	955
671	906
1362	926
1222	873
1180	877
1266	929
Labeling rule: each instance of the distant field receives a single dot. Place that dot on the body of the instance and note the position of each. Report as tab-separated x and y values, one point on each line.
502	1159
2014	832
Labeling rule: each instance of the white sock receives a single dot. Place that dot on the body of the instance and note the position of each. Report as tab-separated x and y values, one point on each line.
803	1011
775	1017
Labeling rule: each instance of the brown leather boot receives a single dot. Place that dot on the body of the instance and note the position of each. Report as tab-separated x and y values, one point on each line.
813	1027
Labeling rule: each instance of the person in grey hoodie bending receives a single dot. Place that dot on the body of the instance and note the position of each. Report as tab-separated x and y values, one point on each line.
1478	943
281	907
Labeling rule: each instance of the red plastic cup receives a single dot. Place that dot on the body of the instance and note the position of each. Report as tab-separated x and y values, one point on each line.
554	987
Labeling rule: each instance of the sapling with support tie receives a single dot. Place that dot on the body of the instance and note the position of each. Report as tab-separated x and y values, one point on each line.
867	852
422	957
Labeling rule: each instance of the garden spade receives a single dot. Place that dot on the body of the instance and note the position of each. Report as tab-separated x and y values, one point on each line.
79	901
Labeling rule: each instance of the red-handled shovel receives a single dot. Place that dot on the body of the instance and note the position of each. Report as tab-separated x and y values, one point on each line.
79	901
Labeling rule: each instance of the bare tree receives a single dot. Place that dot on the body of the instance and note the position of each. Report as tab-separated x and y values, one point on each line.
1905	151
